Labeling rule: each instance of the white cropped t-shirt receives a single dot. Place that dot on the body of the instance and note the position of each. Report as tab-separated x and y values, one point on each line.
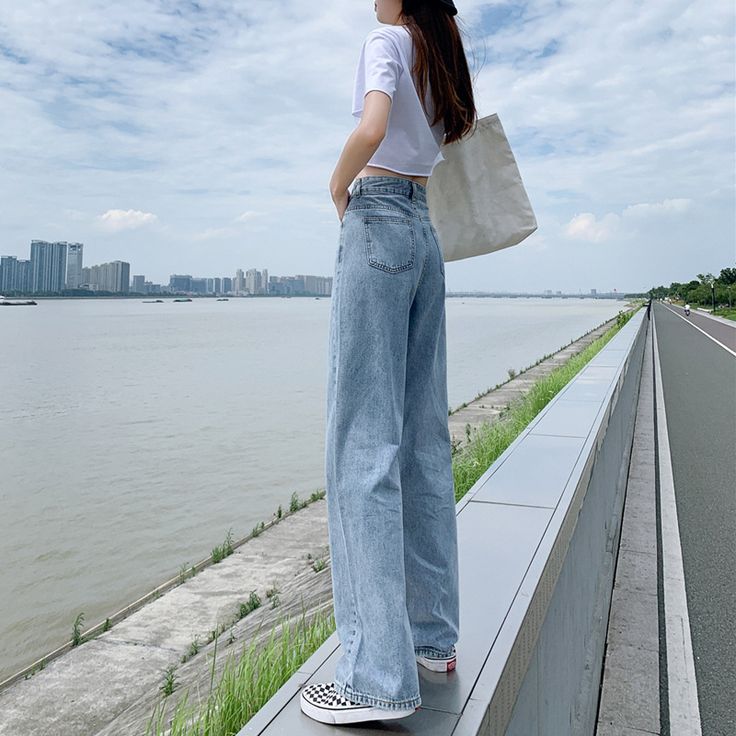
411	145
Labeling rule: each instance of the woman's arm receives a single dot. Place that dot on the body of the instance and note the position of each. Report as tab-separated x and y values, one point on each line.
361	144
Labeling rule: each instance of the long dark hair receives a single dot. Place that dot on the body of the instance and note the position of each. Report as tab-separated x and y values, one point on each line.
440	61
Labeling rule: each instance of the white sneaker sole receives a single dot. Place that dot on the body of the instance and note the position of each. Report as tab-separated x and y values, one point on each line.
352	715
437	665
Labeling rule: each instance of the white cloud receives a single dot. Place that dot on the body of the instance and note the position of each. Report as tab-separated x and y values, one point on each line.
585	226
117	220
667	207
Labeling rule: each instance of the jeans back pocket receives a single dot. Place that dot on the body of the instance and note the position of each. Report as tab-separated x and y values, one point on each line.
389	242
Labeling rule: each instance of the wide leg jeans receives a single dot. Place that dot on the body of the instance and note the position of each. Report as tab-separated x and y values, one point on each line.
388	464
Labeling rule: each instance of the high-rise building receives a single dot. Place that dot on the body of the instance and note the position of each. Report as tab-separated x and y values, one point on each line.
8	266
74	265
239	282
256	282
139	284
251	281
121	271
199	285
15	275
48	266
113	277
316	284
180	282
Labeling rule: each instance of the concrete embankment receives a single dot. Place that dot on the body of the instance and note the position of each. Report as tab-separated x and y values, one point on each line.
110	684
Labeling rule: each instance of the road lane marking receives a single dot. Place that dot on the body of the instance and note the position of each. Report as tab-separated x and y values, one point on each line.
717	342
682	684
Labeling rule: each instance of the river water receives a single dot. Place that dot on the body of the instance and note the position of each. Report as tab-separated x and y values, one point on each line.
134	435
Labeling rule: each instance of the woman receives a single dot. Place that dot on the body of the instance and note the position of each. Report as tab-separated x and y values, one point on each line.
388	464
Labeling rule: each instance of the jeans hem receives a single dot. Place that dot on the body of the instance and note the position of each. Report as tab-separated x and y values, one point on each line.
363	699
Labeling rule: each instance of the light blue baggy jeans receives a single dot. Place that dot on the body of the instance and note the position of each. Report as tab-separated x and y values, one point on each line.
388	461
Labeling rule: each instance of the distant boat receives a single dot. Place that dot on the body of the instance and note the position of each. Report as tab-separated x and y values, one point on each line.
183	300
5	302
153	301
223	299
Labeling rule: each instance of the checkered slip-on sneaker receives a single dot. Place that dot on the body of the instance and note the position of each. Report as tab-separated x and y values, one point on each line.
322	702
438	664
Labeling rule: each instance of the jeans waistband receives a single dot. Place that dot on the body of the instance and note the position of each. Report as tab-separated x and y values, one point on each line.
391	185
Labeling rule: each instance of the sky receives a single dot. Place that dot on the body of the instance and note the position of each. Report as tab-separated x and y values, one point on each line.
200	137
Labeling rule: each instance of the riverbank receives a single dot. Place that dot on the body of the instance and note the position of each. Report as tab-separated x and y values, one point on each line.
111	683
489	405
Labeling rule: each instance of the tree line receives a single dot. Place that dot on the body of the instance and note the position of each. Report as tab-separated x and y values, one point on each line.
705	290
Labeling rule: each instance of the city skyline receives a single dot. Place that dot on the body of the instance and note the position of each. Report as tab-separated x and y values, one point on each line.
55	266
149	283
18	275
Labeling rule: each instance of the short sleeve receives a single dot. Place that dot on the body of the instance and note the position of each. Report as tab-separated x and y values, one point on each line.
379	67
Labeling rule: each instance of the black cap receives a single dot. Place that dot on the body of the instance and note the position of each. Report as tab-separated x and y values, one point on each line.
448	6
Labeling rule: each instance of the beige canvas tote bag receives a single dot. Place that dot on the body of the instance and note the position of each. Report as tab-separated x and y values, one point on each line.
476	199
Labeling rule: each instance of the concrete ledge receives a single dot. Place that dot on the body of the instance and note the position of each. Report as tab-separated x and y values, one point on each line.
543	669
517	527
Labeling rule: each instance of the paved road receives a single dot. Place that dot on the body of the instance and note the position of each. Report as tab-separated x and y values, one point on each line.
699	382
723	332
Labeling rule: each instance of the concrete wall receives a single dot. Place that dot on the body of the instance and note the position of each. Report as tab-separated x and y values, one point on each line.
559	692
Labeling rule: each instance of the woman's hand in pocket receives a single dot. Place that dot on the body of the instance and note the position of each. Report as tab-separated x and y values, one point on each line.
341	202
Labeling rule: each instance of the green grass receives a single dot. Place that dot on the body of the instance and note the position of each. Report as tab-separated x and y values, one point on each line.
221	552
250	679
77	638
490	440
254	601
726	313
247	683
169	684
